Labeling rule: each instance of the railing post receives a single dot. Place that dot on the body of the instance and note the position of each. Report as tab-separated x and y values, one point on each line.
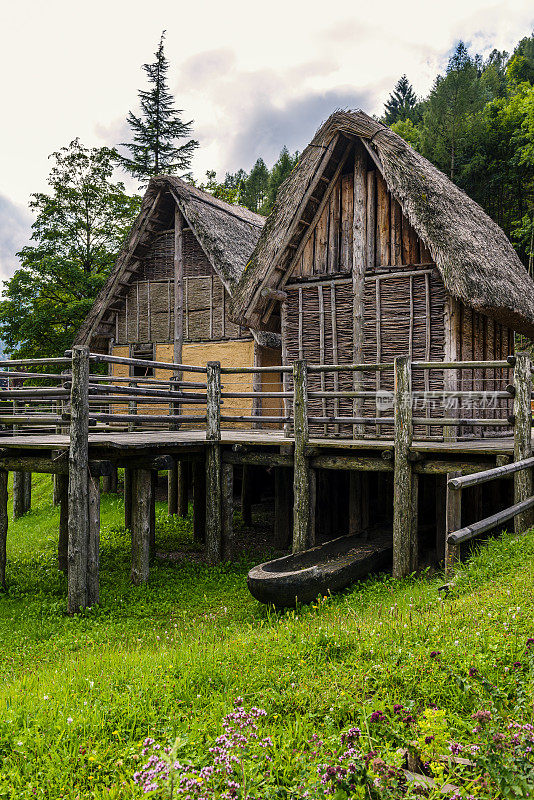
453	523
405	555
301	468
522	437
132	406
78	482
213	463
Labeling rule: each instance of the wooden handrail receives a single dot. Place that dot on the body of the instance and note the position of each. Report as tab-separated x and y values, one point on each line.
476	528
490	474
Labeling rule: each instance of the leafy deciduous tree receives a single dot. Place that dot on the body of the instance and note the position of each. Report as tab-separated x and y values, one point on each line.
78	229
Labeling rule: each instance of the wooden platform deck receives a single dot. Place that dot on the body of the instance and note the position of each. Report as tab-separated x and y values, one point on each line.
174	441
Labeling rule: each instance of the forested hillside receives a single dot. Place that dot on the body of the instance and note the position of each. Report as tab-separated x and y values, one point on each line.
476	125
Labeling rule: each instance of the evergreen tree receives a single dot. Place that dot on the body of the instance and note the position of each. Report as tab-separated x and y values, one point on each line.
281	169
450	109
77	232
401	102
254	187
158	129
521	65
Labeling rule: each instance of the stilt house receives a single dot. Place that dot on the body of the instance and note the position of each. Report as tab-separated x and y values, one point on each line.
168	296
371	252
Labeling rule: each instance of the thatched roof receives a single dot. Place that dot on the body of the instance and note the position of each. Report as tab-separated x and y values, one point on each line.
227	234
476	260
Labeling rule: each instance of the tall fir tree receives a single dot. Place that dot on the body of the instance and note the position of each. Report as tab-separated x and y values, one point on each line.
401	102
254	188
281	169
158	129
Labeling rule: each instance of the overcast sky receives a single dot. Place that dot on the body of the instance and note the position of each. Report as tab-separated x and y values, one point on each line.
253	76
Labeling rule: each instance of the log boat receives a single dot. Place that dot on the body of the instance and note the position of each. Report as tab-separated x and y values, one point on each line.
326	568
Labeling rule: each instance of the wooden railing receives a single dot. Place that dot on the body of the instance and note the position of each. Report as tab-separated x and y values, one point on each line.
38	401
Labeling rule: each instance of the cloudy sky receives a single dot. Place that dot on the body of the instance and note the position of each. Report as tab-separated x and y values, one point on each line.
253	76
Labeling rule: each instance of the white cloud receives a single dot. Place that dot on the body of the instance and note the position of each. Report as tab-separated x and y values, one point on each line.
15	232
252	77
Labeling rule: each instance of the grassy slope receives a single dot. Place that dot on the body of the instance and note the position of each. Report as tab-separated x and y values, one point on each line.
172	655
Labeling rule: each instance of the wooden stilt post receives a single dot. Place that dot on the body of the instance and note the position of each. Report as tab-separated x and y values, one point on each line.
3	527
18	494
453	523
153	488
441	517
113	479
301	469
228	545
199	500
78	482
183	489
358	502
404	507
247	489
213	464
312	503
523	437
172	490
27	492
141	506
55	489
93	551
282	508
127	498
62	483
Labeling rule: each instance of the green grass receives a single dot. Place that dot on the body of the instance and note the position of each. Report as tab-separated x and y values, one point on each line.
78	695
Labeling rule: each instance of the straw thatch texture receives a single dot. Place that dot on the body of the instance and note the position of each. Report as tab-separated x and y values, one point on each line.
477	262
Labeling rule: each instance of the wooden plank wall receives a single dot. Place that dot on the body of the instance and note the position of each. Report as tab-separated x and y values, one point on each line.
391	240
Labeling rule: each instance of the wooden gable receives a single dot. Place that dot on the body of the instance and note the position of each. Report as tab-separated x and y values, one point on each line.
327	244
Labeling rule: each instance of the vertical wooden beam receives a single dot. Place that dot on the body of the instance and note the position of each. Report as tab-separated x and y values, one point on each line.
396	233
153	489
3	527
404	523
453	523
301	470
62	483
371	220
78	482
441	517
383	223
172	490
213	463
282	505
359	264
183	488
178	285
247	493
199	500
18	494
128	477
141	508
93	549
228	544
523	437
358	502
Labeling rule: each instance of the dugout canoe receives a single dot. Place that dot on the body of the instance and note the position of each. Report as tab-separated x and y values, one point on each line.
329	567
